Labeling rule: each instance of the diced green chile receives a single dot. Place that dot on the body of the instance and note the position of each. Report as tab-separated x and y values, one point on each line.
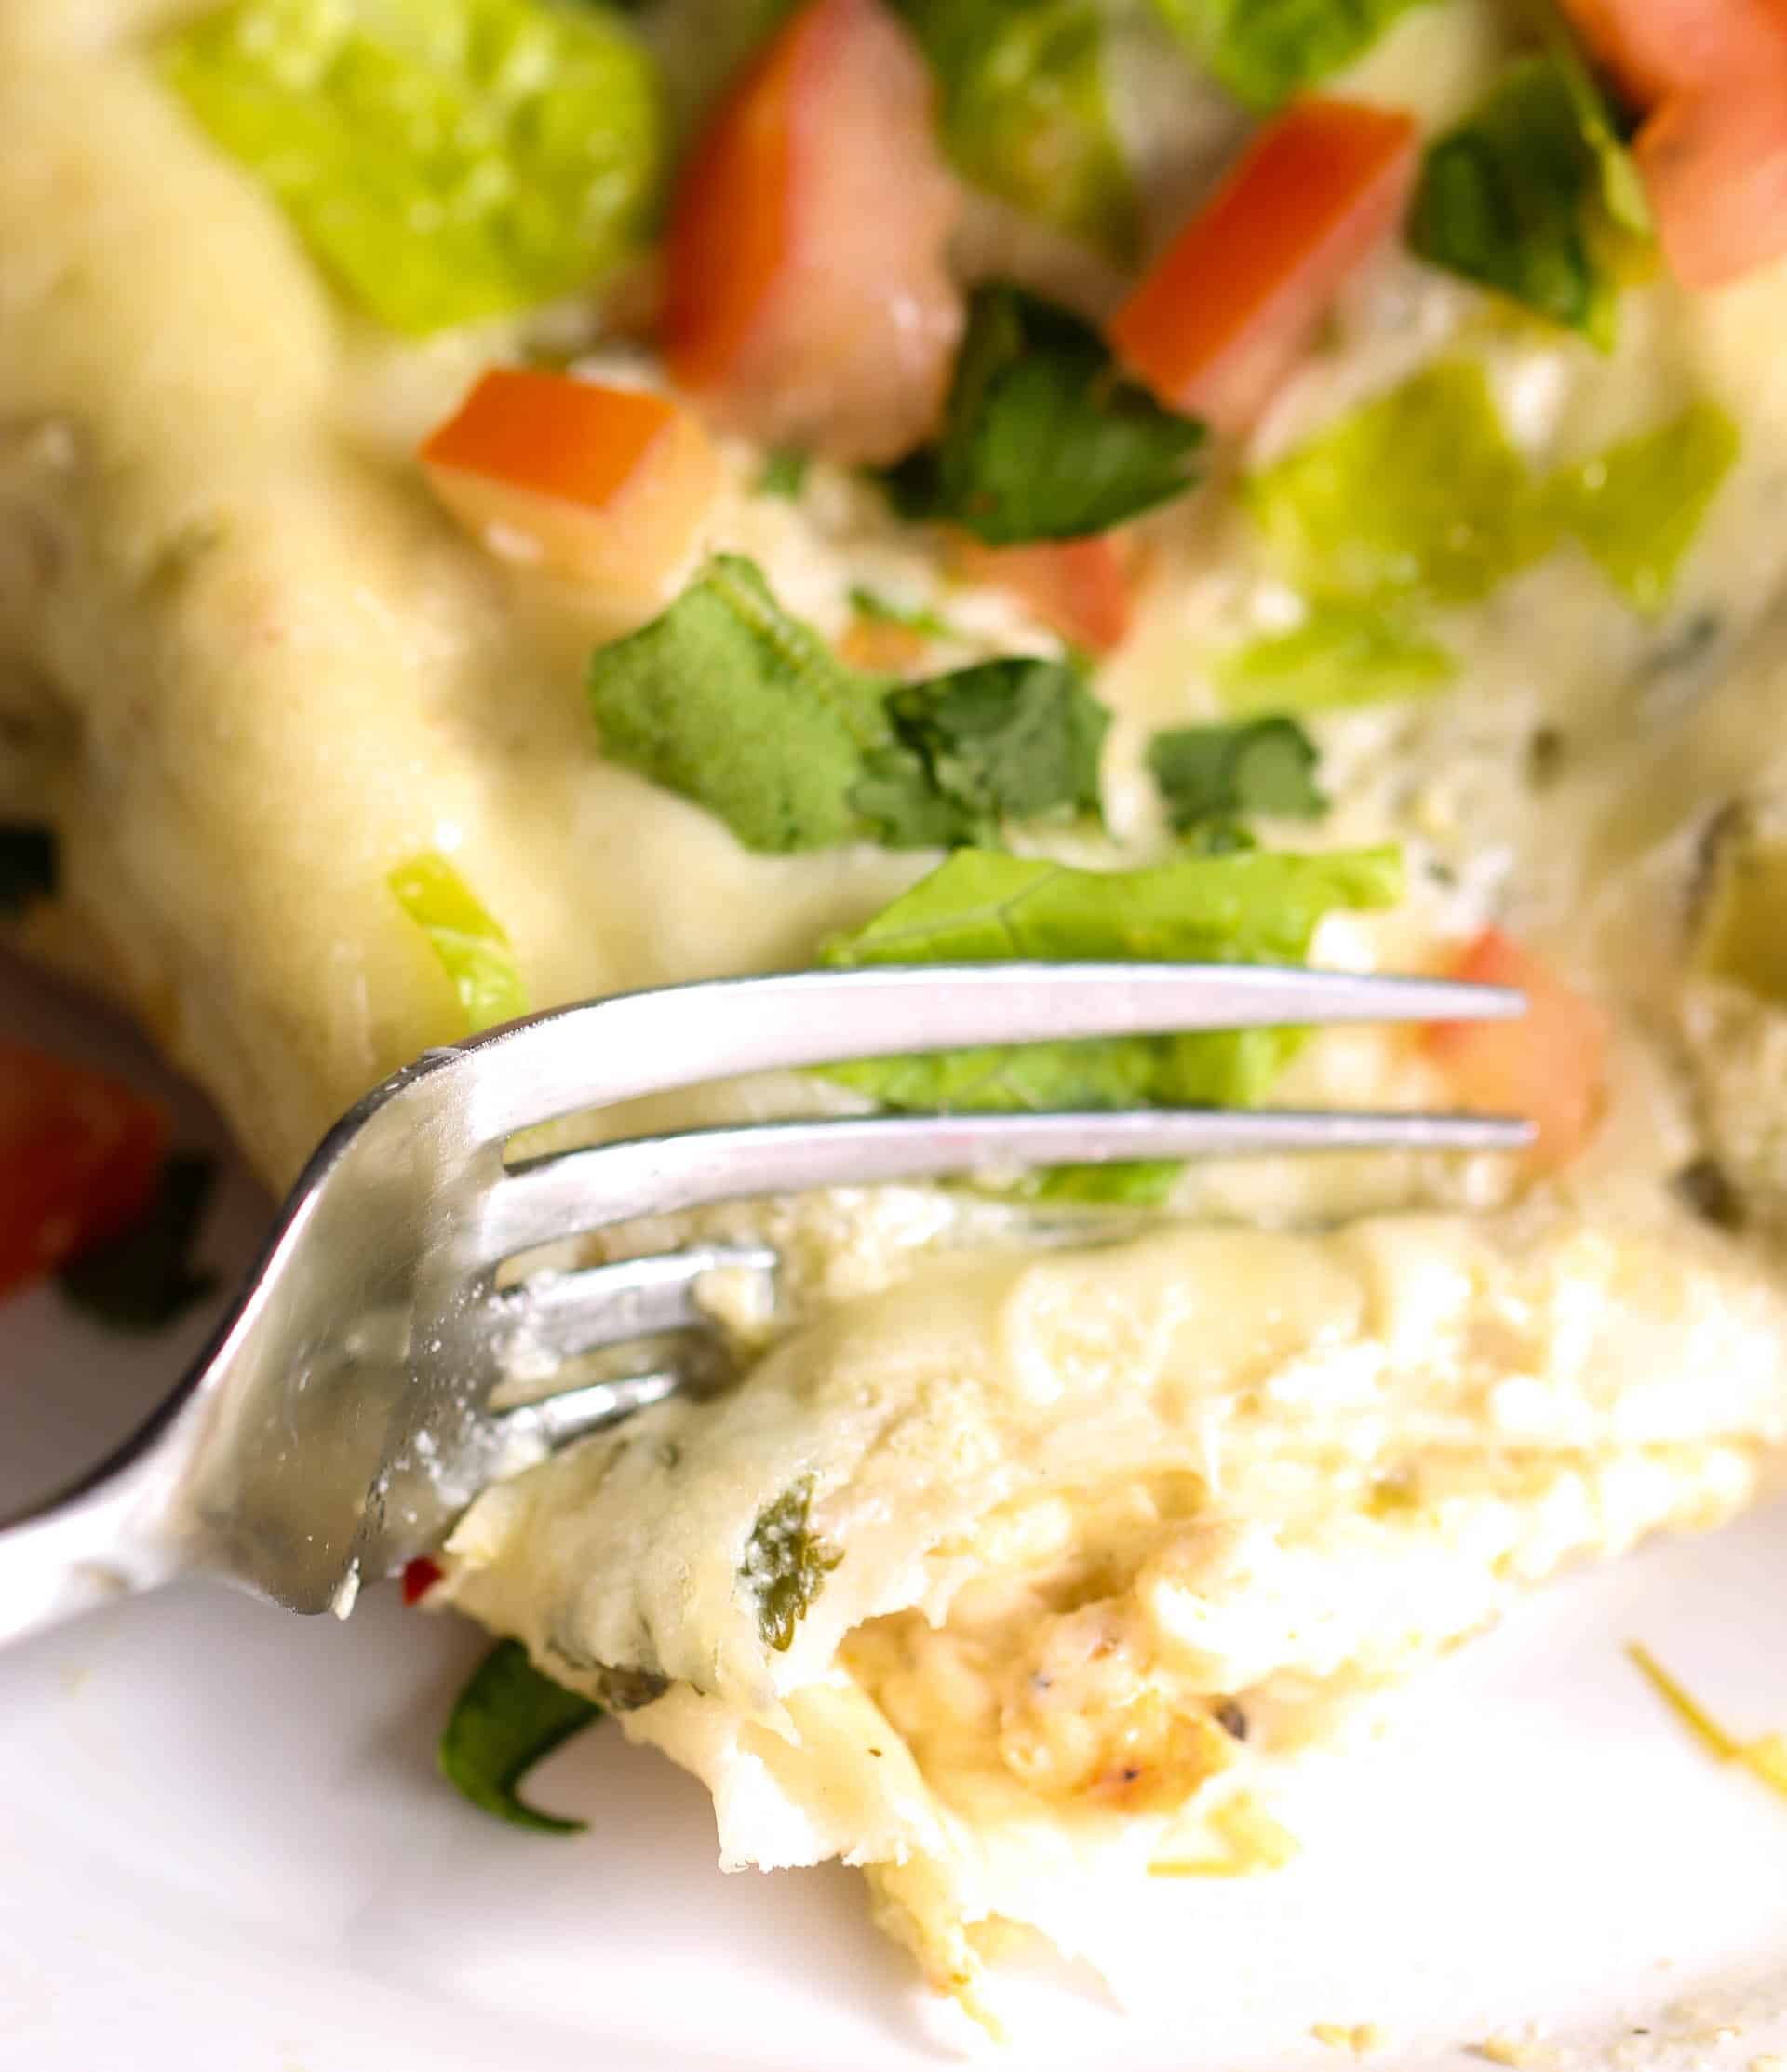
1263	51
1638	506
1340	655
1025	110
470	944
445	159
1419	493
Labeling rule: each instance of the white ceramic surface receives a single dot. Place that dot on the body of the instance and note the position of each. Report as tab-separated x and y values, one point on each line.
223	1848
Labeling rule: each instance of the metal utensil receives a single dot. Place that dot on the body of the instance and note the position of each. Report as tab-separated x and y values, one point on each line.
341	1416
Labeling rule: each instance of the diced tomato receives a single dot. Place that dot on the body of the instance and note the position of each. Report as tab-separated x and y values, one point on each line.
419	1577
1715	165
608	485
80	1159
1231	307
806	300
1654	48
1080	587
1549	1066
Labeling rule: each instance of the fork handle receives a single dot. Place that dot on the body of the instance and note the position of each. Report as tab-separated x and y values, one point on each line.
87	1550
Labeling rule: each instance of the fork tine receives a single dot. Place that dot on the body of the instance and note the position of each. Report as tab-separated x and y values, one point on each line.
552	1318
649	1042
558	1196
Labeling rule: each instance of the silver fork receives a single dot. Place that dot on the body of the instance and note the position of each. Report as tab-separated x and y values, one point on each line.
341	1416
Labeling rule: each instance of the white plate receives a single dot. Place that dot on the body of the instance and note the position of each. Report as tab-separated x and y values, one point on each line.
223	1848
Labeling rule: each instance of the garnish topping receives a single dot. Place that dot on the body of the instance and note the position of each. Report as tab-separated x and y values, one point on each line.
473	950
1045	437
445	159
507	1718
786	1564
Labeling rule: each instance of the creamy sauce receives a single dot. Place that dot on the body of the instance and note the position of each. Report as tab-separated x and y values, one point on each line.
1090	1507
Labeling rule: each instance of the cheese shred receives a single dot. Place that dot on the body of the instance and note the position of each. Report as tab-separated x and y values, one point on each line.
1765	1759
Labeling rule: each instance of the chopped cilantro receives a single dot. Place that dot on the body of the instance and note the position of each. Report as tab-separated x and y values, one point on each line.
29	866
145	1278
1624	206
785	474
981	907
1637	506
473	950
1518	195
507	1718
1214	776
1045	437
1264	50
786	1564
1340	655
445	159
1025	110
728	701
1012	740
1418	493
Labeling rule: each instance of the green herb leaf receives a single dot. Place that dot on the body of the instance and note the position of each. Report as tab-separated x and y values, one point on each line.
1025	110
786	1564
1218	775
445	159
1340	655
1623	201
29	866
785	474
1416	493
1638	506
472	948
1264	50
143	1278
507	1718
728	701
980	906
1045	437
1012	740
1511	197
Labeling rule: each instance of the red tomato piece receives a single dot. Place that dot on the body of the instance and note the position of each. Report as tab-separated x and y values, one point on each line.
1232	304
1080	587
419	1577
1653	48
609	486
1549	1066
806	299
80	1159
1715	165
